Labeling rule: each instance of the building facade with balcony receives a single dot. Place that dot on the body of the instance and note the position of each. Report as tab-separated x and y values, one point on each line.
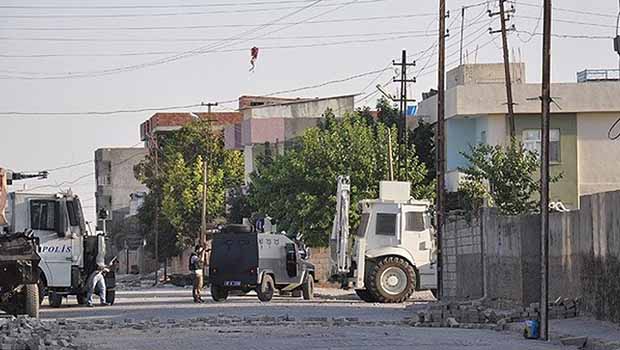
582	115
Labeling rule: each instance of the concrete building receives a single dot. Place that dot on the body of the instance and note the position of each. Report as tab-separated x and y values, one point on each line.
582	115
116	181
164	122
275	122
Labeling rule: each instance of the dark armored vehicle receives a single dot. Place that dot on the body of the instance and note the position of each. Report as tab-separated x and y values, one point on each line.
244	260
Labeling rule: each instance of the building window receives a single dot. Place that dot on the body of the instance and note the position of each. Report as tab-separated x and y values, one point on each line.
386	224
532	142
414	221
43	215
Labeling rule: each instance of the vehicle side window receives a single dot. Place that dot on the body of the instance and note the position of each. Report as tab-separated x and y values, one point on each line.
43	215
72	210
414	221
386	224
361	230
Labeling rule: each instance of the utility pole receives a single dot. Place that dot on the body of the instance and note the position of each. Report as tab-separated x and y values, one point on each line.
440	142
402	125
462	34
544	171
205	173
154	148
503	19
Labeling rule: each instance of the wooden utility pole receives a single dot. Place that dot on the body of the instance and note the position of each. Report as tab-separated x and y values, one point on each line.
544	172
402	125
509	100
440	143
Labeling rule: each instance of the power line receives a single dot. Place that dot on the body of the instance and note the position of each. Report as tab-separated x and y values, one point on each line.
570	36
560	9
170	14
208	26
101	7
95	113
294	37
193	52
154	53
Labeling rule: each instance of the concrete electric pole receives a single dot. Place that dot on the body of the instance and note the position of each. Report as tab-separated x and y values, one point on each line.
503	19
402	125
544	171
440	143
205	176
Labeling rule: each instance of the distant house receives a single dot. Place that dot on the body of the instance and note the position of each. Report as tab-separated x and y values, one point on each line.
581	117
269	122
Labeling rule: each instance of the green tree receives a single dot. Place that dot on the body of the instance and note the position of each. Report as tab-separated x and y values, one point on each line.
503	175
298	188
179	185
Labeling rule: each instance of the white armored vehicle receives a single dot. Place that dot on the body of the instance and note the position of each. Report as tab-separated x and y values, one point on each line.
68	253
392	254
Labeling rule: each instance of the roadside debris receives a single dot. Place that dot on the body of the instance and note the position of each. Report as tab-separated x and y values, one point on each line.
472	314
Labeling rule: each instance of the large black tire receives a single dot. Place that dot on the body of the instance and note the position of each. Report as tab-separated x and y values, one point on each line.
110	296
55	299
365	295
219	293
32	300
266	289
391	280
308	288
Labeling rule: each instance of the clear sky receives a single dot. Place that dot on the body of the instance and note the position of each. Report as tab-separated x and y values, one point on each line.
77	56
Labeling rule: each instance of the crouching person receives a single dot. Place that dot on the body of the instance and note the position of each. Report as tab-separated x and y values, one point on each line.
96	285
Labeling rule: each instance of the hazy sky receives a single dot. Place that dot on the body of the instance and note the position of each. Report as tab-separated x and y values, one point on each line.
139	54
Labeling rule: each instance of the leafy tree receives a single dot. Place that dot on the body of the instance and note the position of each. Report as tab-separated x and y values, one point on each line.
503	175
298	188
423	138
179	185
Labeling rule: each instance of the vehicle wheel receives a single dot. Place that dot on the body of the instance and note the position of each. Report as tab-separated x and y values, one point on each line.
391	280
32	300
110	296
308	288
55	299
266	288
218	293
365	295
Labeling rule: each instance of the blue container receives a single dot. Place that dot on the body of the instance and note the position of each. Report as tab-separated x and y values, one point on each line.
532	329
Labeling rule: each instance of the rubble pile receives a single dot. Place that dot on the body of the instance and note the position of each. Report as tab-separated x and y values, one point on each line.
24	333
476	315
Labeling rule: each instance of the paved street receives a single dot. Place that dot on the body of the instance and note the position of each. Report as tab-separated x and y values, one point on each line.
166	318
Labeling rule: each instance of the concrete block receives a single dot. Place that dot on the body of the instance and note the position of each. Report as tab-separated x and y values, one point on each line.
579	342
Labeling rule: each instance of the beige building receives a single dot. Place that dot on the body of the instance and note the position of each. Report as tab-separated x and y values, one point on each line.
582	115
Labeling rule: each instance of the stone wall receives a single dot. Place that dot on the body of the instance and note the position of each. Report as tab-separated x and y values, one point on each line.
584	256
320	258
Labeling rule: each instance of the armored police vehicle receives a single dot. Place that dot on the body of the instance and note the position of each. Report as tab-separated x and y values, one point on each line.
244	260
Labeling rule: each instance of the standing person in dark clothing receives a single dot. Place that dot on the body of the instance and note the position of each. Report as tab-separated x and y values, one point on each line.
196	264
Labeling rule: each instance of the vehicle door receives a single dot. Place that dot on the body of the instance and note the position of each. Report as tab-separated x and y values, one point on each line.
48	220
417	238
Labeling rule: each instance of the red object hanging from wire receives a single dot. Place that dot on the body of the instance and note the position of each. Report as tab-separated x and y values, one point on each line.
253	58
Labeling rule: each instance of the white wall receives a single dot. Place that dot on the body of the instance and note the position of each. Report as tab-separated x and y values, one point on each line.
598	156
